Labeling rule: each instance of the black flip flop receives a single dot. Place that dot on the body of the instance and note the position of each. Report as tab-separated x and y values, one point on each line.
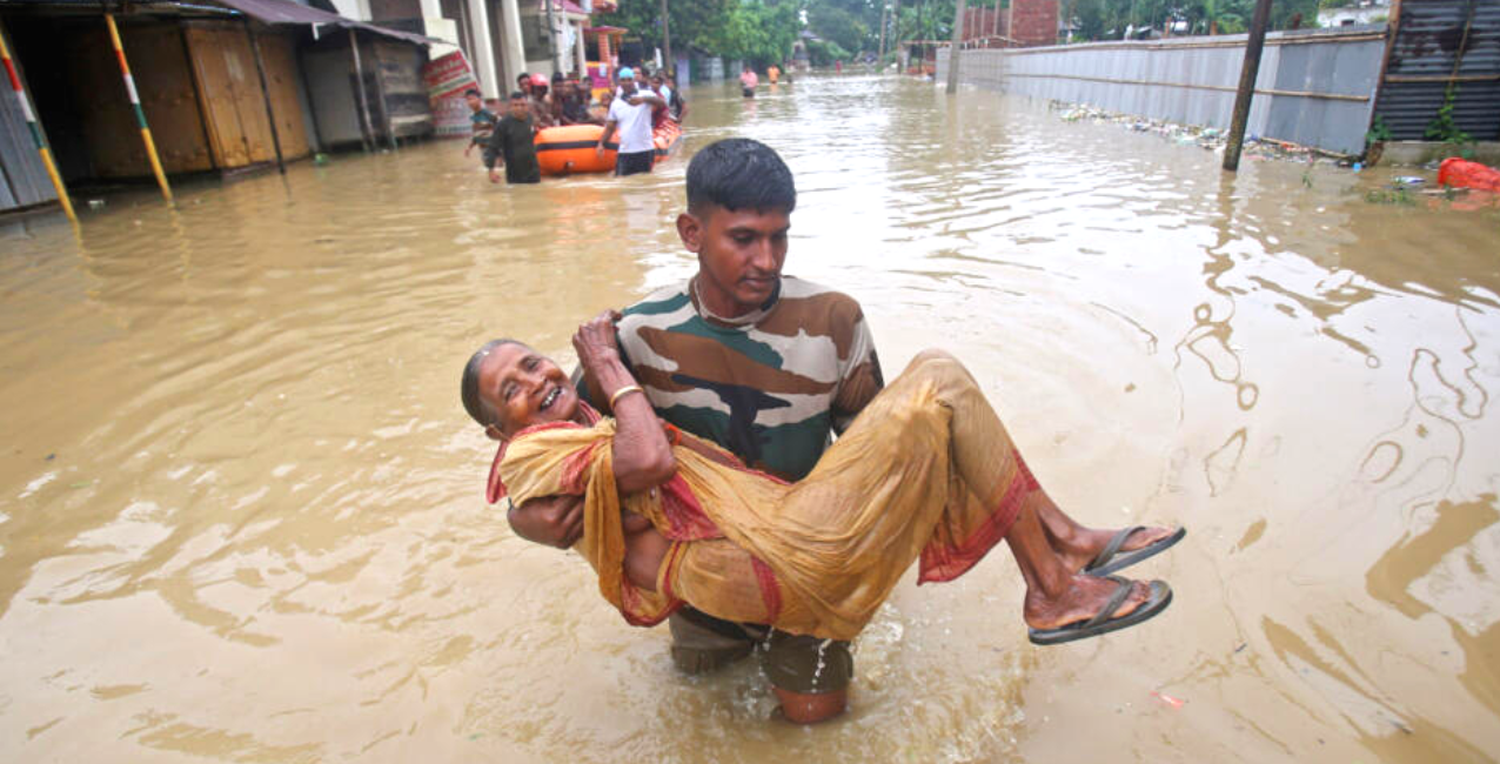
1111	559
1161	596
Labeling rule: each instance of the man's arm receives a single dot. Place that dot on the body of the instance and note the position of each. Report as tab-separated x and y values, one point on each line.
861	378
494	150
609	132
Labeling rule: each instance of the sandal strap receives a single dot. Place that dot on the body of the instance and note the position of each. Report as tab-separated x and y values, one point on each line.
1113	547
1122	590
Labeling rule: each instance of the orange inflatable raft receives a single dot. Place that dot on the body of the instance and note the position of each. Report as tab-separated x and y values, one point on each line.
570	149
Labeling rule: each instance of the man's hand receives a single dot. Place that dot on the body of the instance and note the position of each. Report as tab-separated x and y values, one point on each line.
551	520
468	148
494	174
599	149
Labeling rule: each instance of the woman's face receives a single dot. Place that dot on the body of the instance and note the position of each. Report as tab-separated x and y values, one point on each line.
525	388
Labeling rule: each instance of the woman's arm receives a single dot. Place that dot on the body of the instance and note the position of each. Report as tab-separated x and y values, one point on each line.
642	456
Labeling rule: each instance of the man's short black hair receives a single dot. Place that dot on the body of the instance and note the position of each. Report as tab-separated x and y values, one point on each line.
478	410
523	76
472	92
738	174
514	94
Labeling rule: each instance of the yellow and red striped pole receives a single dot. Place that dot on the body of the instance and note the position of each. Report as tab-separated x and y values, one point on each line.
135	103
37	136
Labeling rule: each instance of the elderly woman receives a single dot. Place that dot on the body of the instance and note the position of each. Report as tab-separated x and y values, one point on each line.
926	473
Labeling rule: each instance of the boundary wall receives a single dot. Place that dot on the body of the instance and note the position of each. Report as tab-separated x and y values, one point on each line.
1315	87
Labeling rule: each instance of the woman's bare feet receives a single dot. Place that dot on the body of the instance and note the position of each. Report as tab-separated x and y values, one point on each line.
1084	598
1078	546
1058	595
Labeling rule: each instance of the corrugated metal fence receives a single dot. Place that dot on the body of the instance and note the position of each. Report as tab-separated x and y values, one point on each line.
1438	45
1315	87
23	179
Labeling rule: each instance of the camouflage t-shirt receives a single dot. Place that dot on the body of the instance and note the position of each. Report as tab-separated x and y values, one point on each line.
769	386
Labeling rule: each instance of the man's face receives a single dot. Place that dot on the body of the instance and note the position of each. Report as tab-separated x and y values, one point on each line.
627	84
475	104
740	253
518	107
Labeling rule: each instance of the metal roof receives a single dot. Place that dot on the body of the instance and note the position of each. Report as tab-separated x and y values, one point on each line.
281	12
286	12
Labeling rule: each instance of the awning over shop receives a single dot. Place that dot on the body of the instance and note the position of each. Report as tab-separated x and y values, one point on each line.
286	12
280	12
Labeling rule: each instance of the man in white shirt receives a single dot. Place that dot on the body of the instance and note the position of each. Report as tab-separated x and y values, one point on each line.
630	114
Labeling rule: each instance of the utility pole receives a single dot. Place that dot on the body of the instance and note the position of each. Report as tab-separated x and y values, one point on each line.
1248	73
896	34
666	39
953	48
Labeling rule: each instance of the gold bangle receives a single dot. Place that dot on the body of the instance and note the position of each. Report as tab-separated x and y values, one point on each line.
622	391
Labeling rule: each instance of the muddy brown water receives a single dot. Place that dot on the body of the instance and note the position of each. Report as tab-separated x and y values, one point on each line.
241	513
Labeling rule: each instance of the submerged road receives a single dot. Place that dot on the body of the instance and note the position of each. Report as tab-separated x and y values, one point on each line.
242	516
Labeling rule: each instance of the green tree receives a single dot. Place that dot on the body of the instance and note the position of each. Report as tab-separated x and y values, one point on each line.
758	31
838	23
692	21
1109	19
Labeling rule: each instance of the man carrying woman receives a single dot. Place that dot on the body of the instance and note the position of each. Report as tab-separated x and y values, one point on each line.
766	366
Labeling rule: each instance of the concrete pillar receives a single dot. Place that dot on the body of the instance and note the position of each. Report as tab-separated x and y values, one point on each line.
581	50
484	51
512	49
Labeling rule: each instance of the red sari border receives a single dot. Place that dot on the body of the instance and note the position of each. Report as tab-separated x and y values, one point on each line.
942	563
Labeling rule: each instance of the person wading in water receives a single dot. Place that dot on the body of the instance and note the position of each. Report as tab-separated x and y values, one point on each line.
693	349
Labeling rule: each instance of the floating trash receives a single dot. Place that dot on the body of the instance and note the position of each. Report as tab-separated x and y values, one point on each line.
1166	699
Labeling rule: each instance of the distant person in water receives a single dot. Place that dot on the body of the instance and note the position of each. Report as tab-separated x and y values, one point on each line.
599	110
667	88
541	102
773	73
748	82
512	144
575	103
630	116
481	120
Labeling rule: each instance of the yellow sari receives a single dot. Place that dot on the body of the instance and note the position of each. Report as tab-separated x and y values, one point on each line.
926	472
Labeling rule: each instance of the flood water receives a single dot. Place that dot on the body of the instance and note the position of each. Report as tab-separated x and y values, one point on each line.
242	515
